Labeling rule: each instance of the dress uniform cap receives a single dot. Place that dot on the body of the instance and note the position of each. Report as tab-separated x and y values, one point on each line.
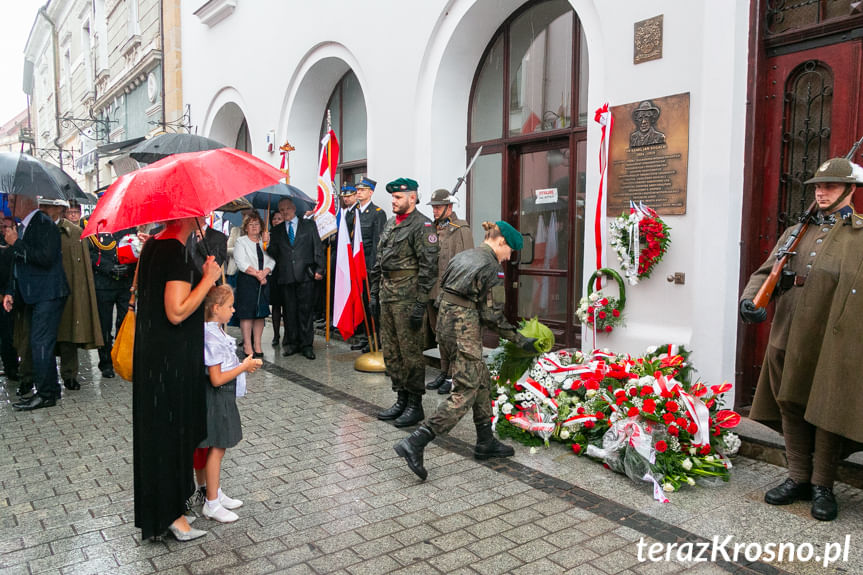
348	190
440	197
51	202
511	235
367	183
838	170
402	185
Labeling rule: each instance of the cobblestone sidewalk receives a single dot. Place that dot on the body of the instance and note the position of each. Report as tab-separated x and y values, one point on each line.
325	493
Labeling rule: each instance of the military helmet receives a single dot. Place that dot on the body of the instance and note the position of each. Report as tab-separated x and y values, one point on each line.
838	170
440	197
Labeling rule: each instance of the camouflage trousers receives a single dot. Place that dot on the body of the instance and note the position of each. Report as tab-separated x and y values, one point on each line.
402	347
431	338
459	333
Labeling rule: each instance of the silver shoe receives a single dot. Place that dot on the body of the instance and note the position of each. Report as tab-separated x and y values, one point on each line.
185	535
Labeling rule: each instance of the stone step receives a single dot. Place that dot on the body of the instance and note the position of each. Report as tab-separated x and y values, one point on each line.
764	444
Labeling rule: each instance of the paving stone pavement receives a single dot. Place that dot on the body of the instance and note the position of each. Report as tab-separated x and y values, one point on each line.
324	492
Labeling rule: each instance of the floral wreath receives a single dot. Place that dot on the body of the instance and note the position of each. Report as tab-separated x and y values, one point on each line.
646	248
598	311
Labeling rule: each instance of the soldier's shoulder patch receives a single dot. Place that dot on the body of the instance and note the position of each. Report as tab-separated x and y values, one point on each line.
500	275
432	238
427	224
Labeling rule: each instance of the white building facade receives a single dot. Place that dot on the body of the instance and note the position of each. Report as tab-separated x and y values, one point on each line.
415	88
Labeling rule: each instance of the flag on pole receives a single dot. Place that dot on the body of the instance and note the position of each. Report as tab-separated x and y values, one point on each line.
359	254
325	210
346	299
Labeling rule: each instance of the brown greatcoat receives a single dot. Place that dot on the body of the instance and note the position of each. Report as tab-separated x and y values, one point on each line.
454	237
818	327
80	321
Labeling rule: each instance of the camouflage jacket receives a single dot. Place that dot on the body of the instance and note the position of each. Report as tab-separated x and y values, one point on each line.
454	237
477	276
411	246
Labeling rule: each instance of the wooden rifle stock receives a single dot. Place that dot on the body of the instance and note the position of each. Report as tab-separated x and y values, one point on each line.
762	298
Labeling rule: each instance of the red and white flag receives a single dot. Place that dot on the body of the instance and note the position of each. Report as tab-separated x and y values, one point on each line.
325	210
359	254
347	300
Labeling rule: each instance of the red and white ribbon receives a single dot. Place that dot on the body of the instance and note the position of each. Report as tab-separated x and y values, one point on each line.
696	409
604	118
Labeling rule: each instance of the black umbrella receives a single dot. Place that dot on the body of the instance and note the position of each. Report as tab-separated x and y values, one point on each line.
164	145
23	175
68	185
268	198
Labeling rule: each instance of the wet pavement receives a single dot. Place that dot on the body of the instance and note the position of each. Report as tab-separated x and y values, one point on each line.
324	492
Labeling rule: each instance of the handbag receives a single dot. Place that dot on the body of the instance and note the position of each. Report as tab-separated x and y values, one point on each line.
124	343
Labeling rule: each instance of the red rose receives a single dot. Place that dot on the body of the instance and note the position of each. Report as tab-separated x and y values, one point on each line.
667	418
608	328
590	319
602	315
681	422
705	449
576	448
600	416
649	406
671	406
590	309
589	425
646	390
661	446
672	429
615	312
633	411
633	391
603	301
692	428
620	399
592	384
580	411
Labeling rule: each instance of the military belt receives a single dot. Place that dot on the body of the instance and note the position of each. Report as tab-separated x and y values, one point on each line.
457	300
395	274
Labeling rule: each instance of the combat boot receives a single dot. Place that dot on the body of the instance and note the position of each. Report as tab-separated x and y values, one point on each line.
395	409
437	382
411	448
487	446
413	413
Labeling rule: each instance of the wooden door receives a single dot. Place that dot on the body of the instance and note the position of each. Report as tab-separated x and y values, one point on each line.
809	111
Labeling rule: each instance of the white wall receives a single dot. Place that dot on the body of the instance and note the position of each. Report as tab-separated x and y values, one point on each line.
415	62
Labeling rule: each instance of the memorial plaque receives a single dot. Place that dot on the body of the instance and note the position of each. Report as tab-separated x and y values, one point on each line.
647	40
648	155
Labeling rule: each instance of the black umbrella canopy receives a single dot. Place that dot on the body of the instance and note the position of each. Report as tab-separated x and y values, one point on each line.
268	198
68	185
23	175
163	145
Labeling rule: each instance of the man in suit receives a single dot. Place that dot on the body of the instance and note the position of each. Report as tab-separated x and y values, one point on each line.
299	255
372	222
38	288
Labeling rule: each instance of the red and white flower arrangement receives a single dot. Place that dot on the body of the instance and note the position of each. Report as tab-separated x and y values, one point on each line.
640	239
632	414
598	311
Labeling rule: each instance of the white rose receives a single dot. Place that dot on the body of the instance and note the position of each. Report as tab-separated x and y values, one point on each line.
500	390
533	450
507	408
501	398
564	434
590	393
690	481
687	464
668	487
692	451
709	458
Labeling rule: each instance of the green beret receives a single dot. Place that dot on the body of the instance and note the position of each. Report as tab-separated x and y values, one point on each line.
511	235
402	185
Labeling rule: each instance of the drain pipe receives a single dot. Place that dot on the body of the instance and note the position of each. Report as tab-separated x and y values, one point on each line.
44	12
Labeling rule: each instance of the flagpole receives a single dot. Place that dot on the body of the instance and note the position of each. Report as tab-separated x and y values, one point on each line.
327	303
374	346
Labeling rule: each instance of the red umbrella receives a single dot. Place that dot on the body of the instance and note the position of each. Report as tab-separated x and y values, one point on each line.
180	186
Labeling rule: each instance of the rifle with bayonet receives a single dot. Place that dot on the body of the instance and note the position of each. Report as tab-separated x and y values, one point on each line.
463	177
762	298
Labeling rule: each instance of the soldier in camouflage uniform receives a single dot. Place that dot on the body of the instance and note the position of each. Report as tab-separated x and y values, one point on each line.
454	237
472	297
403	276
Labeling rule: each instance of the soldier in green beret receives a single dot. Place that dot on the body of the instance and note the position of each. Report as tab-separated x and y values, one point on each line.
809	382
472	297
454	237
403	277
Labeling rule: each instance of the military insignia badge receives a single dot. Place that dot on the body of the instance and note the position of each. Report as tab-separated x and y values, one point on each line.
432	238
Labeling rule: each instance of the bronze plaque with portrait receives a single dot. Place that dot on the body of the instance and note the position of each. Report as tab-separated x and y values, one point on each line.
648	155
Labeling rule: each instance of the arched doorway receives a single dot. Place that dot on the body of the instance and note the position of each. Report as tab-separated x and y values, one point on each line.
229	126
347	107
528	111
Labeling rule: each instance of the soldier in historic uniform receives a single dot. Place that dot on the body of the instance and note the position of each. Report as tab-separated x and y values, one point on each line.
113	281
372	222
472	297
808	387
403	276
454	237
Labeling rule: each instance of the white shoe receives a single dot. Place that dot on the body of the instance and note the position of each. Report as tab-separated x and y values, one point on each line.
219	514
229	503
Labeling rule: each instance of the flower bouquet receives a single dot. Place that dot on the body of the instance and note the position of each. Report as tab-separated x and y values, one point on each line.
598	311
632	414
640	239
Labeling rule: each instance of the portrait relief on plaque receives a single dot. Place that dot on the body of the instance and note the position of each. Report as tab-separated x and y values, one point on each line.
648	155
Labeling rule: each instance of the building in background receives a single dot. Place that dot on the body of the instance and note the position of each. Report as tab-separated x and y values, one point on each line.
14	133
105	74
